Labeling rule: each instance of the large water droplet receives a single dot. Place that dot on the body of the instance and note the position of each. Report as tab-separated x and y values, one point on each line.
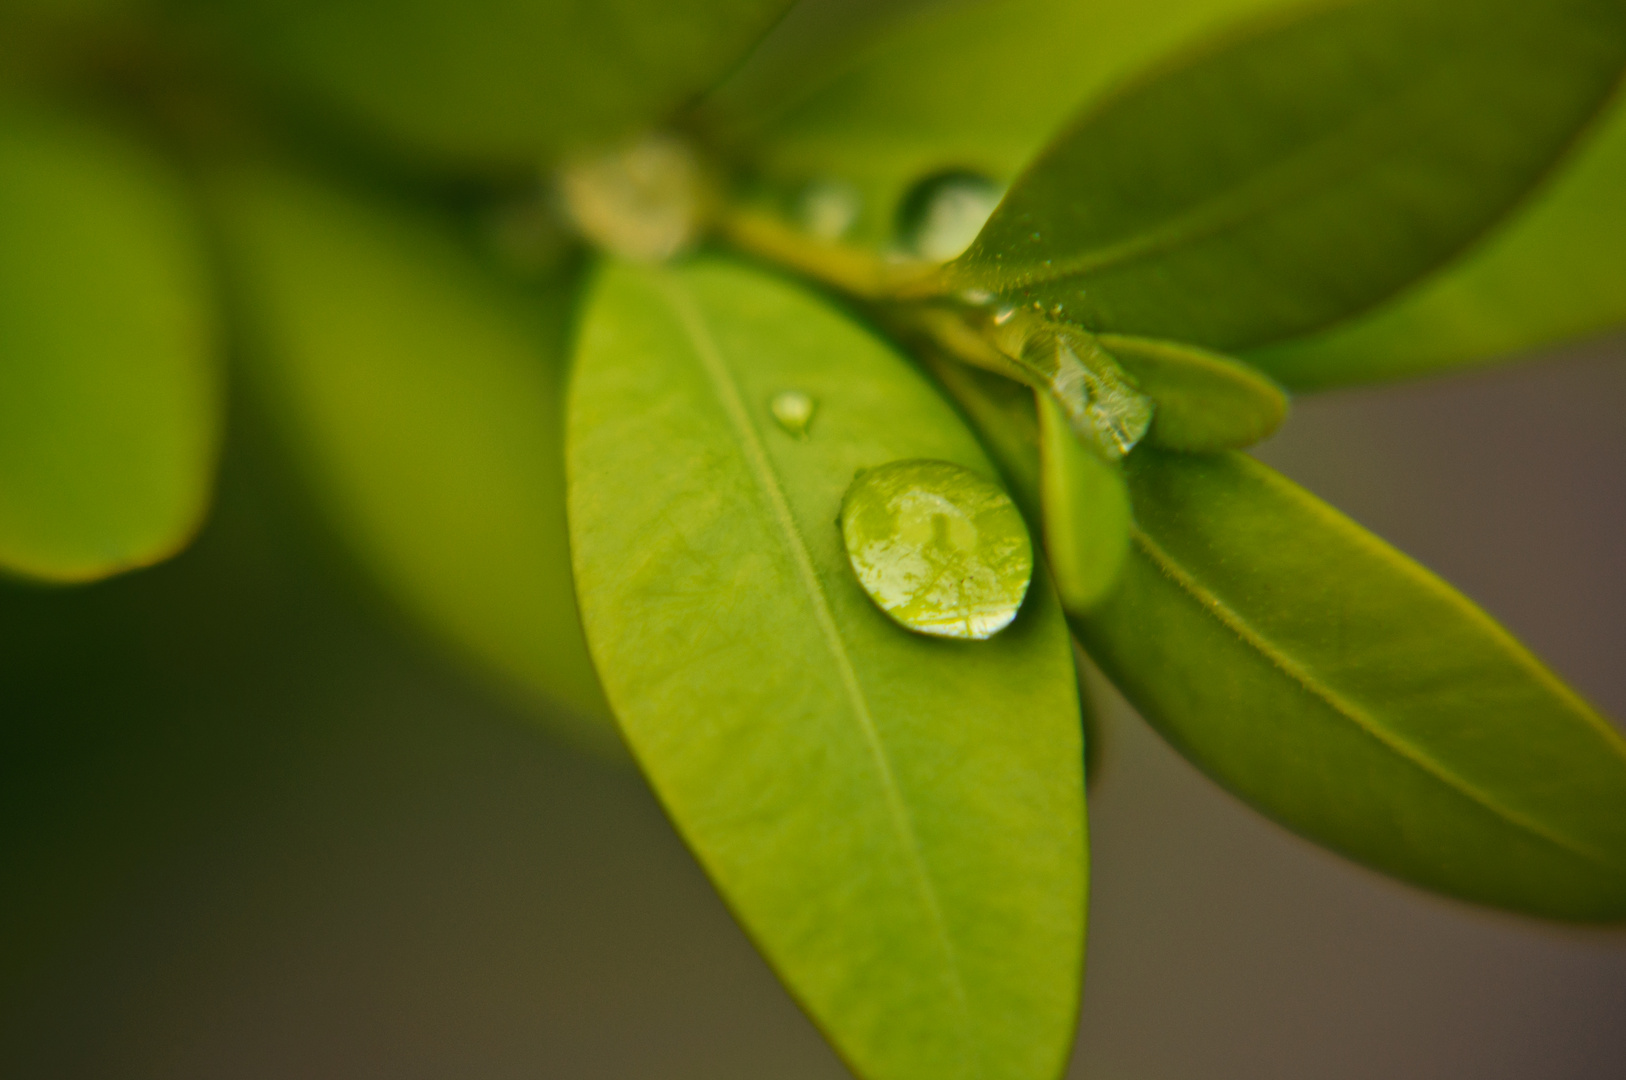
828	209
641	201
943	213
793	411
940	549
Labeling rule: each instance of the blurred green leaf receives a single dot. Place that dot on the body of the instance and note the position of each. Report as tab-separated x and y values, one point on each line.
423	397
896	819
1356	698
979	87
1298	175
109	396
501	81
1205	402
1086	511
1556	271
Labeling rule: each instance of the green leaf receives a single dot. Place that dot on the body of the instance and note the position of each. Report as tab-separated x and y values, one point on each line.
1205	402
504	81
423	398
1354	697
109	396
978	87
1271	186
896	819
1556	272
1086	511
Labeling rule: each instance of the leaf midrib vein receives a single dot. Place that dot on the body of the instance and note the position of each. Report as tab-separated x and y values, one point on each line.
733	403
1340	706
1285	181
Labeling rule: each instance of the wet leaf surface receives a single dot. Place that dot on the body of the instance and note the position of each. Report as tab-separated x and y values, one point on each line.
897	820
1295	176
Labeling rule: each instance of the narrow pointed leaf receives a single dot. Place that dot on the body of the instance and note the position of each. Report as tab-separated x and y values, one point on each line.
109	396
1205	402
1294	177
504	81
1556	272
895	819
423	398
1354	697
1086	511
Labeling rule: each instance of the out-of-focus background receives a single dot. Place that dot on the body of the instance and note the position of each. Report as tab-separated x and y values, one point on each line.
253	829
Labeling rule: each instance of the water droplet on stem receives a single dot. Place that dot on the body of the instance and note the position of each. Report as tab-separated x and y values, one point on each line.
943	213
828	209
642	201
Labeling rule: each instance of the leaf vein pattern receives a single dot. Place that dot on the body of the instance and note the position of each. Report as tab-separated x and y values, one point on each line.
1348	710
1337	154
733	404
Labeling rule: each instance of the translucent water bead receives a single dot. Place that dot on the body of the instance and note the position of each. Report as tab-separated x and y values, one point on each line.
940	549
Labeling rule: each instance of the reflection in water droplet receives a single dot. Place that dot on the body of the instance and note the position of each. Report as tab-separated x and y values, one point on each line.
943	213
793	411
938	548
1101	403
641	201
827	208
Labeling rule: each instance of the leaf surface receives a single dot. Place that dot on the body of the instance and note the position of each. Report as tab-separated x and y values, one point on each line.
109	395
1086	511
897	820
423	398
1354	697
1205	402
1555	272
1270	186
501	81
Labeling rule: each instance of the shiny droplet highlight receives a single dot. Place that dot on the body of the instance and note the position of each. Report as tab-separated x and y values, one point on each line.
940	549
793	411
943	213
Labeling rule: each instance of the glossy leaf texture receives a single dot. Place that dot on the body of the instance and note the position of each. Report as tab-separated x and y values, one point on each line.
423	397
1086	511
109	395
1556	272
978	87
1205	401
499	81
1354	697
897	820
1299	174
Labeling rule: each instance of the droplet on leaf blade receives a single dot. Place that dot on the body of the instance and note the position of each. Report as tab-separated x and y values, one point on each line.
793	411
940	549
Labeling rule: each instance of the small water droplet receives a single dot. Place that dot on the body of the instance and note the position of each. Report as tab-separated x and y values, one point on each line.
943	213
641	201
828	209
1101	403
940	549
793	411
